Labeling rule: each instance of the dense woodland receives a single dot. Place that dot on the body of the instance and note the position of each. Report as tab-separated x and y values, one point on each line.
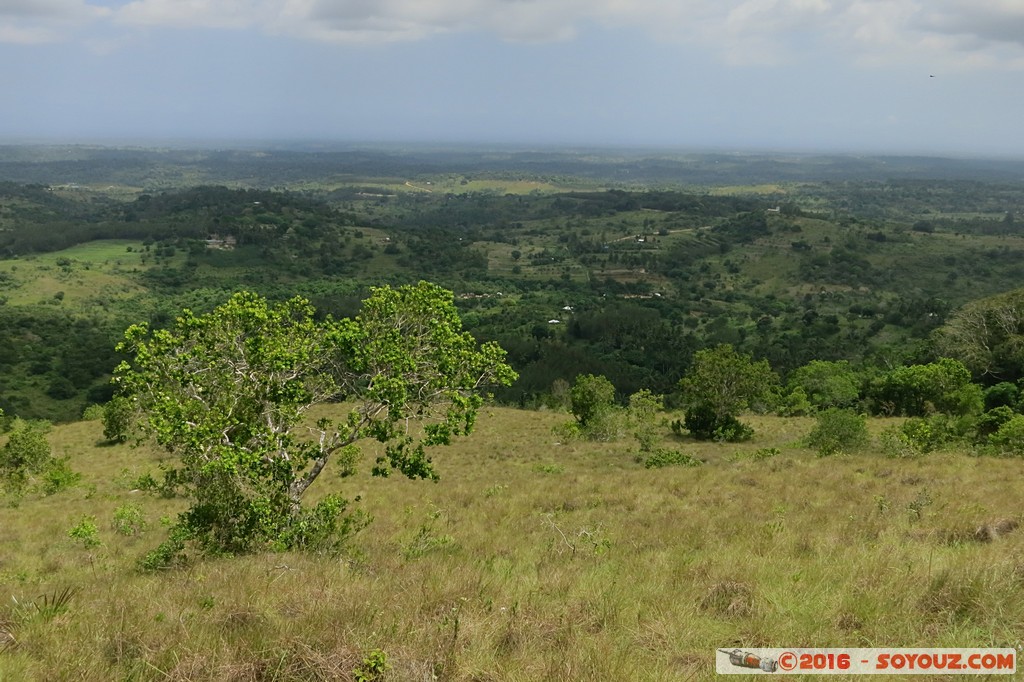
567	266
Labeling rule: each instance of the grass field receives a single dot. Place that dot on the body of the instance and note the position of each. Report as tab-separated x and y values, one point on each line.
95	270
532	559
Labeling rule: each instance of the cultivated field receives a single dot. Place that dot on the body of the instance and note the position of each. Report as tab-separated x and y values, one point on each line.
532	559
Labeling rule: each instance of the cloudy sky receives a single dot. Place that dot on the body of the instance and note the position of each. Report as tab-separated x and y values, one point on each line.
901	76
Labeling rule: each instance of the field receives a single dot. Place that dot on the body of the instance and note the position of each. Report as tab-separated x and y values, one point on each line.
532	559
81	276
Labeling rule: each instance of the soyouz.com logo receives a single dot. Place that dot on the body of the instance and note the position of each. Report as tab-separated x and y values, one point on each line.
866	661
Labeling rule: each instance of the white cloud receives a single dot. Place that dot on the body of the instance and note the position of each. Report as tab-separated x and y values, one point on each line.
997	21
29	22
950	33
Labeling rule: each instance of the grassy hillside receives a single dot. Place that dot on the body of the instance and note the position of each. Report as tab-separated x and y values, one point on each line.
532	559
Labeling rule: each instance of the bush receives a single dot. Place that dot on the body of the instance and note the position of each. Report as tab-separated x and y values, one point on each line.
590	397
643	408
117	419
1003	394
927	434
990	422
826	384
664	457
896	445
92	413
87	532
58	476
1009	439
919	390
128	520
27	452
838	430
704	423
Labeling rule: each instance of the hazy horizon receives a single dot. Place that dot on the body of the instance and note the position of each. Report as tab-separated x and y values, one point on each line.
773	76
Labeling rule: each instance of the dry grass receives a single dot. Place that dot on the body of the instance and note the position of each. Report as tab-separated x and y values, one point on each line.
534	559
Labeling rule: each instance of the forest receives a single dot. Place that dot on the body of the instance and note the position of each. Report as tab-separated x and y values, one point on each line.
565	266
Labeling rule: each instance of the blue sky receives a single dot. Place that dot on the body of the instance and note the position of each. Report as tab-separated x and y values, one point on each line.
898	76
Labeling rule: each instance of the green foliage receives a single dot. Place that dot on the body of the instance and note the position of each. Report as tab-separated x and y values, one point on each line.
896	444
794	403
664	457
756	455
92	413
918	390
990	422
226	392
58	476
826	384
118	414
590	398
1003	394
592	402
643	409
373	667
87	532
724	382
128	520
920	435
1009	439
26	453
704	423
925	434
838	430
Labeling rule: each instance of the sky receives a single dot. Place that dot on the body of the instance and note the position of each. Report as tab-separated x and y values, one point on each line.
864	76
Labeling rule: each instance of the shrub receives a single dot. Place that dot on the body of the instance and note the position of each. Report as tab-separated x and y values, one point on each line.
664	457
1000	395
58	476
117	419
927	434
128	520
27	452
826	384
918	390
87	532
794	403
27	449
92	413
896	445
1009	439
591	397
990	422
704	423
374	667
643	408
838	430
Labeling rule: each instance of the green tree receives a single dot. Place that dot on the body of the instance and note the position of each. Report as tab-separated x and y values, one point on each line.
1009	438
644	407
826	384
720	384
118	414
230	393
590	398
838	430
918	390
26	452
